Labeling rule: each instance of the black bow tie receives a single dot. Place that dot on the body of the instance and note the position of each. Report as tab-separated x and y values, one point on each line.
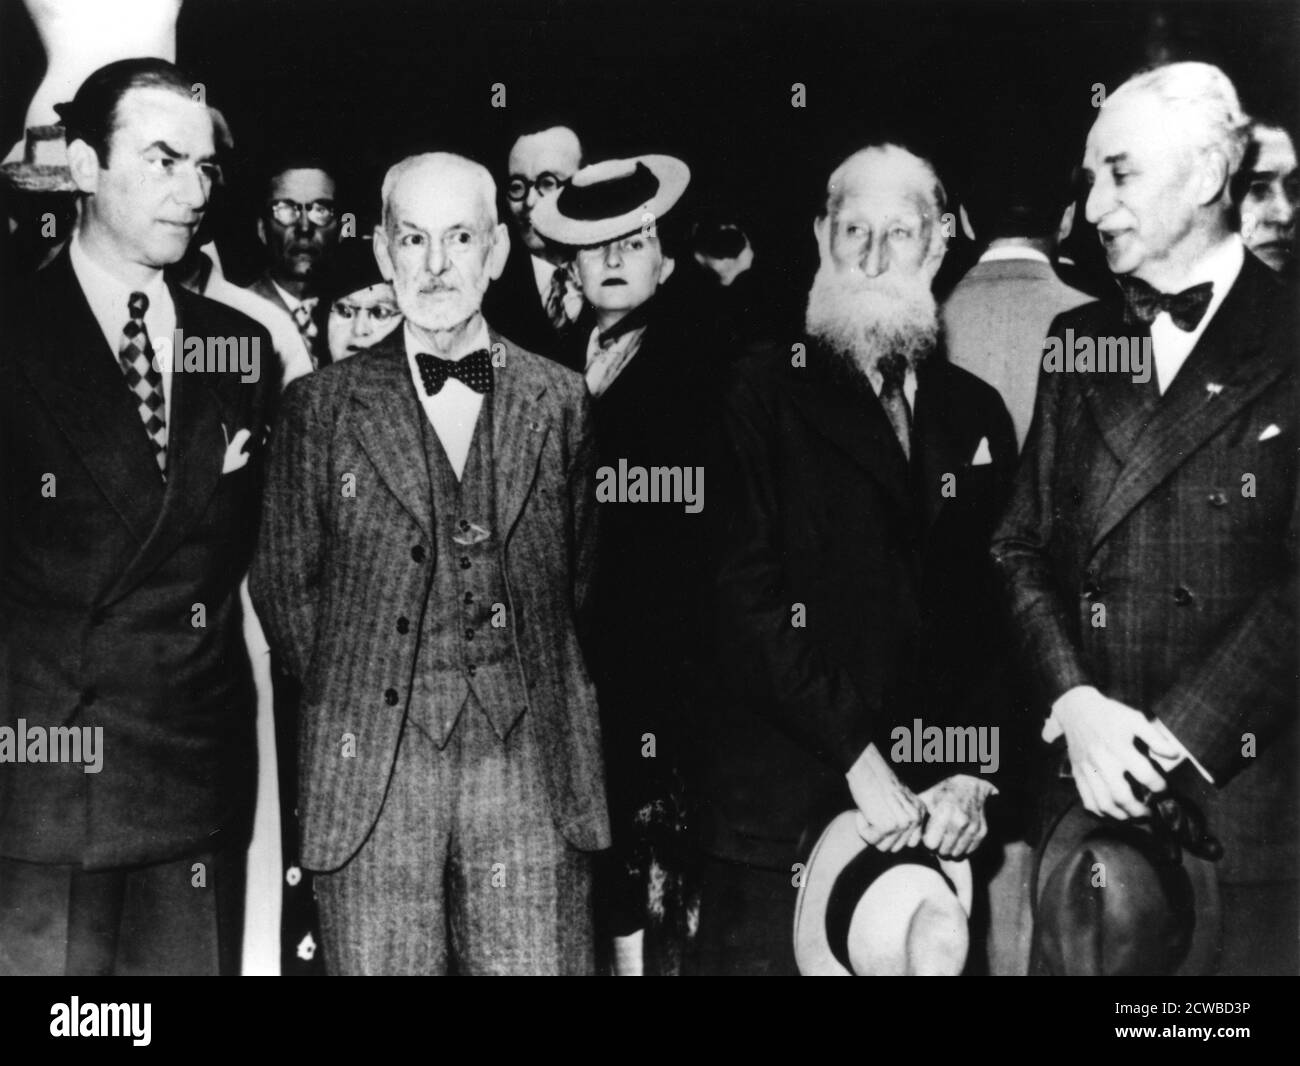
1142	303
475	370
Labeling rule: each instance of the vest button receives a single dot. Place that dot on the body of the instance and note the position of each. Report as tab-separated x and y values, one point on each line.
469	634
417	553
471	669
469	597
1217	499
464	526
1182	596
403	625
390	697
464	562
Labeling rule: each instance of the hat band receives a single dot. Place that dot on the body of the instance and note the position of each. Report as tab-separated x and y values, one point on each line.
852	884
608	199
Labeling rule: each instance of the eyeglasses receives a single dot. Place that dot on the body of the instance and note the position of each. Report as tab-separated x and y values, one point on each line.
545	183
287	212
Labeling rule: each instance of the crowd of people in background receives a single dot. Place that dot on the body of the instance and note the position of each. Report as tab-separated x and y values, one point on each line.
535	711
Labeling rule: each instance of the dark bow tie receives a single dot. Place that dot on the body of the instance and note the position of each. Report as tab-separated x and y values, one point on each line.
1142	303
475	370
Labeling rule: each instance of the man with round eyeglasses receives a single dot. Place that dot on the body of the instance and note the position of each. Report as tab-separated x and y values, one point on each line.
299	227
537	300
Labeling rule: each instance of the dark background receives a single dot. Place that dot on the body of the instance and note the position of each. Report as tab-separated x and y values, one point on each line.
971	84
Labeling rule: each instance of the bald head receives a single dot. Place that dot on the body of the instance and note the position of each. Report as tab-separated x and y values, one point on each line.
440	243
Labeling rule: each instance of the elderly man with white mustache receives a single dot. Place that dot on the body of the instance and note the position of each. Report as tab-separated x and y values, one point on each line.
852	505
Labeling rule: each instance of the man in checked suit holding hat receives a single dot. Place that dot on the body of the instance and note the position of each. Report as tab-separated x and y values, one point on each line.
1149	549
425	557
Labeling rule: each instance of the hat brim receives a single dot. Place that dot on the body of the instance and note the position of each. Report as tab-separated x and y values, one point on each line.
673	176
890	900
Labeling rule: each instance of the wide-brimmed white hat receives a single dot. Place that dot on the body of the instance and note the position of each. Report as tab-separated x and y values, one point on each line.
609	200
863	912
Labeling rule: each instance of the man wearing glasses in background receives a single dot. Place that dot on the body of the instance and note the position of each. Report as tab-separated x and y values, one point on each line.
537	302
299	227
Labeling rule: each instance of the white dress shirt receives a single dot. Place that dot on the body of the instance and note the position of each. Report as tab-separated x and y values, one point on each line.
109	300
1003	252
1170	345
453	410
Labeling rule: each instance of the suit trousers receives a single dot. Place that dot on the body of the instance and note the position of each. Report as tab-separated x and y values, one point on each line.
746	921
182	918
464	872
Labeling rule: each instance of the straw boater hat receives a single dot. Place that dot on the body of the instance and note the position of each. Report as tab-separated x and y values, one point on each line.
609	200
862	912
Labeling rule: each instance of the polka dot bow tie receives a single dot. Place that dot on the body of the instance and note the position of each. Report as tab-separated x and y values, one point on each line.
475	370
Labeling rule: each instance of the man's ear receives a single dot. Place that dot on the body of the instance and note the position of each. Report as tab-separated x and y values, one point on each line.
1211	180
938	249
1066	227
666	267
822	234
500	251
380	247
261	231
83	165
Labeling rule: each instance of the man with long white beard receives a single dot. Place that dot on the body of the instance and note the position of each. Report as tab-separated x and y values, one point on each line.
851	508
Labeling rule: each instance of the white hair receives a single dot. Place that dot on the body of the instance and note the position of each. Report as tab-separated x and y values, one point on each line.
1204	97
443	161
848	174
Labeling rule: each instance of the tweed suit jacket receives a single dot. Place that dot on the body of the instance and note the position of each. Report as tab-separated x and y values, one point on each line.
100	580
333	573
1178	517
994	323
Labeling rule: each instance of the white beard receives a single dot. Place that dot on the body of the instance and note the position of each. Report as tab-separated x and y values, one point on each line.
862	319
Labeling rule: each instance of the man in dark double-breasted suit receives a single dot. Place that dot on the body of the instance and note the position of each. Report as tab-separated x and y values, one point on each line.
132	422
1149	550
425	559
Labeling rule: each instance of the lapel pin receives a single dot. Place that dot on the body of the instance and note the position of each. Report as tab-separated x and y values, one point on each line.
1213	388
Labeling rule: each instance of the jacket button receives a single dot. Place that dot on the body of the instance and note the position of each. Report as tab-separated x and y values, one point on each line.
1182	596
469	597
471	669
1217	499
403	625
417	553
464	526
464	562
390	697
88	696
469	634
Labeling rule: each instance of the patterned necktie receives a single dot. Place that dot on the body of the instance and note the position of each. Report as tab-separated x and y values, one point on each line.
475	370
307	328
893	372
1142	303
555	309
136	356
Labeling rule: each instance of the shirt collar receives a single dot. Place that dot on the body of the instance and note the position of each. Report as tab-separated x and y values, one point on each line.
109	296
476	340
1013	251
290	300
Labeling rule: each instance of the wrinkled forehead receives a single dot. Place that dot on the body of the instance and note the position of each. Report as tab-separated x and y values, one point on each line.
436	198
303	185
881	193
1276	152
555	151
1137	124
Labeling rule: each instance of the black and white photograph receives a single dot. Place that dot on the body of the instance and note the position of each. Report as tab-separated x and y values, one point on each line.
650	489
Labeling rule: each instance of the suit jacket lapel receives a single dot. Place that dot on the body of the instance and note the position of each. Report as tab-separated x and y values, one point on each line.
852	419
81	382
520	425
937	446
1229	356
1121	407
388	428
198	426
